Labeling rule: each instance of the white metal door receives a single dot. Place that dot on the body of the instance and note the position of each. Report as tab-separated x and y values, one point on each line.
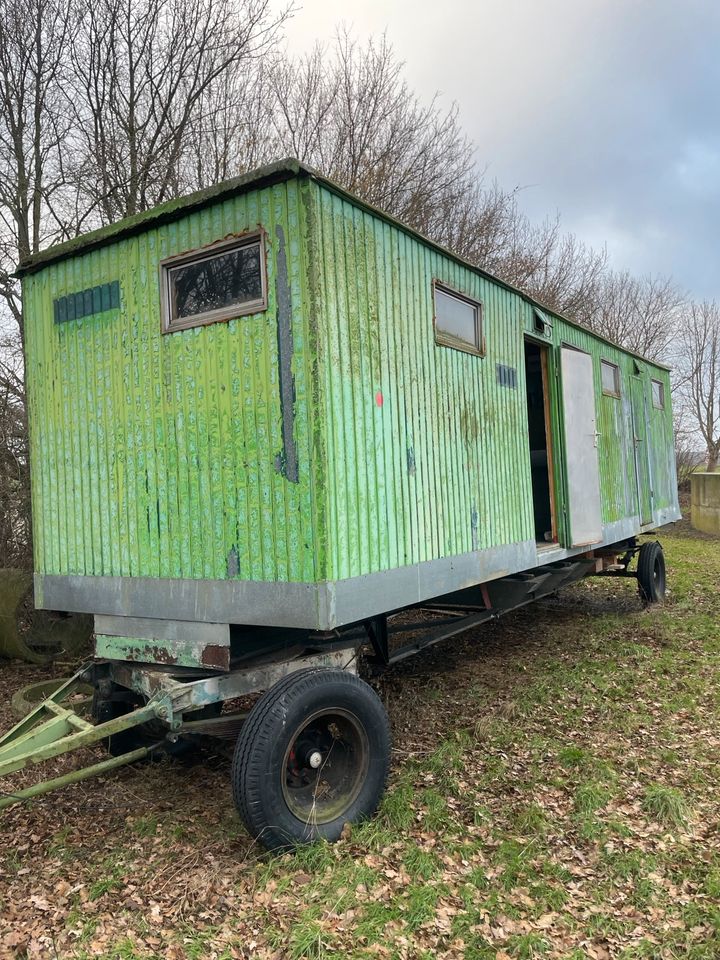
581	435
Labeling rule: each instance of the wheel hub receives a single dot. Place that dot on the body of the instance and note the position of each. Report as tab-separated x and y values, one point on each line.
325	766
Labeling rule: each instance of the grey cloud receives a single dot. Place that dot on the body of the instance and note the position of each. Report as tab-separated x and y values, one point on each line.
606	110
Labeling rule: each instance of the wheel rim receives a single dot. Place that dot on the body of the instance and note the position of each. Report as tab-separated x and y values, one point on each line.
659	576
325	765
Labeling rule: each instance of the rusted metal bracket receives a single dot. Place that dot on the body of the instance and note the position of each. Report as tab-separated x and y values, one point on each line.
185	696
52	729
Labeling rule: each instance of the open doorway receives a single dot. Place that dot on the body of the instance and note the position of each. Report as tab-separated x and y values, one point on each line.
538	409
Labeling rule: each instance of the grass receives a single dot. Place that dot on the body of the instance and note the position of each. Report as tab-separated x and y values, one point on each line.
666	805
554	794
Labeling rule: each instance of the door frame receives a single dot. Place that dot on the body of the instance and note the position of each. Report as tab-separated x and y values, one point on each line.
569	504
545	360
638	380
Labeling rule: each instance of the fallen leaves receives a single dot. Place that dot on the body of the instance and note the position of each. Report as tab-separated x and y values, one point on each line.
497	855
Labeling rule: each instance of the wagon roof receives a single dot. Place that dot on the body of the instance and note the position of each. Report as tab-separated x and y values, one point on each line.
266	176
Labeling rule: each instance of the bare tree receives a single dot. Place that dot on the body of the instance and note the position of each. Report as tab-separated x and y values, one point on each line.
551	265
232	130
688	455
349	111
15	538
34	39
699	366
641	313
35	210
147	70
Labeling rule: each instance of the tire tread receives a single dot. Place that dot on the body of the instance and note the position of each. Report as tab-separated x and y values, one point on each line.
646	571
256	735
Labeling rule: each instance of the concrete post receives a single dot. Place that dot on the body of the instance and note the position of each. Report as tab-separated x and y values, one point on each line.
705	502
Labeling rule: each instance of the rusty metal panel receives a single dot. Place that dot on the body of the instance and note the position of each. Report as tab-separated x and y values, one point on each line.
176	653
185	455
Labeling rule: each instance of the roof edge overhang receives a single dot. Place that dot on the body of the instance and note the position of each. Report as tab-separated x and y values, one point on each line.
166	212
276	172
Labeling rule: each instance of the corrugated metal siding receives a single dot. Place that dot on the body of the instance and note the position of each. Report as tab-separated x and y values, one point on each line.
155	455
662	448
427	455
441	467
616	446
618	488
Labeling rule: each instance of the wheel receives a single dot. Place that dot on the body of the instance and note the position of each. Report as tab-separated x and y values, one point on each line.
312	756
651	572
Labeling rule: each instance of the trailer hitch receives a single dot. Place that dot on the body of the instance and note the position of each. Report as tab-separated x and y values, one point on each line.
52	729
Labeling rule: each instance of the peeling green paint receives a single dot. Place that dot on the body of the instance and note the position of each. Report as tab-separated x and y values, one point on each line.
175	652
154	455
326	437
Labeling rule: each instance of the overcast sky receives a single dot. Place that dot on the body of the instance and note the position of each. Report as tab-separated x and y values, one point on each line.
605	110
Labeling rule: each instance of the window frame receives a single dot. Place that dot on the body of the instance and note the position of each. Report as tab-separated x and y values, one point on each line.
661	405
197	255
617	392
444	339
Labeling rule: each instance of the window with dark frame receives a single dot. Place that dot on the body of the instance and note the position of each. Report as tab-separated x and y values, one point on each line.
610	378
458	320
216	283
658	394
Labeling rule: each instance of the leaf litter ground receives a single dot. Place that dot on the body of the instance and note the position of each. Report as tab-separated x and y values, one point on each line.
553	794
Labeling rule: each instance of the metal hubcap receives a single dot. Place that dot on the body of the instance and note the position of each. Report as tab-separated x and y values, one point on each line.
325	765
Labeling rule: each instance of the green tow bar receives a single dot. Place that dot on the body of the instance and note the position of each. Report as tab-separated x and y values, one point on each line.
51	730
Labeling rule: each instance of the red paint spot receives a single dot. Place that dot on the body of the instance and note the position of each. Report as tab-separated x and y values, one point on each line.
379	398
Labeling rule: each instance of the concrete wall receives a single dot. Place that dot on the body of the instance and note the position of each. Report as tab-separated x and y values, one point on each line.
705	502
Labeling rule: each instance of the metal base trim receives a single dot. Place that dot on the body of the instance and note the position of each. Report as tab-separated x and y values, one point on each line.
311	606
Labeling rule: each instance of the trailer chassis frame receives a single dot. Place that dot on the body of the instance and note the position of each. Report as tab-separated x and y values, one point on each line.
172	699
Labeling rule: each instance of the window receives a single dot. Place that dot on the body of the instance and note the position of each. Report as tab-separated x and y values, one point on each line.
610	375
220	282
541	322
658	394
458	320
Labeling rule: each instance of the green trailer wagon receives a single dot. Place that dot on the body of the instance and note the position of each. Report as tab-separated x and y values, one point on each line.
267	421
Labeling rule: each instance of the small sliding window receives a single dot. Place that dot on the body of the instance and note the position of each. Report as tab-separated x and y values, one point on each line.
220	282
458	320
610	374
658	394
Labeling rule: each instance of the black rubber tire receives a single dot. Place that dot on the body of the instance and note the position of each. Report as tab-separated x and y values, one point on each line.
651	572
258	768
